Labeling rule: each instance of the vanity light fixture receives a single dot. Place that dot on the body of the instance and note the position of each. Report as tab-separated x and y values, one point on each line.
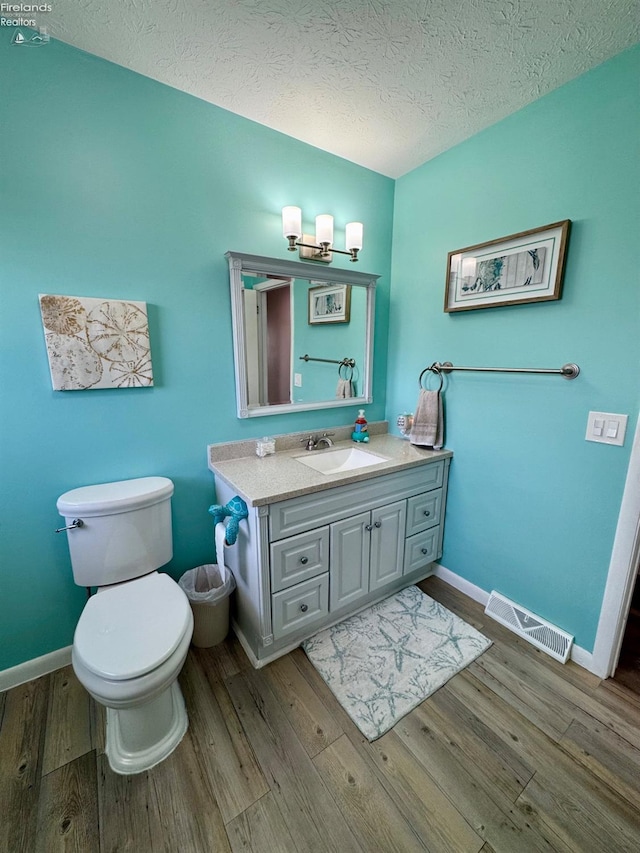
321	245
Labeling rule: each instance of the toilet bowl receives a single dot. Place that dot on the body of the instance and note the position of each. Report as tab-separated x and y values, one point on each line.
129	646
133	635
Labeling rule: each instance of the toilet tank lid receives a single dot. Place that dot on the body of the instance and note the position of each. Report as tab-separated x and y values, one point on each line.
111	498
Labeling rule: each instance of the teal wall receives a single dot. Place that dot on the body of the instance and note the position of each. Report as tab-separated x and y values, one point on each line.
115	186
532	507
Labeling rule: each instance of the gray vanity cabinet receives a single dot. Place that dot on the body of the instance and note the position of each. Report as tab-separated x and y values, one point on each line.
306	562
366	553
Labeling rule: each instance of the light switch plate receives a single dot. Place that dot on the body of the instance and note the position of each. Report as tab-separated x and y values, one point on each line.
606	428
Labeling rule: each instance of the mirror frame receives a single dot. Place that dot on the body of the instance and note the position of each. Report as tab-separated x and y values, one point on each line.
240	263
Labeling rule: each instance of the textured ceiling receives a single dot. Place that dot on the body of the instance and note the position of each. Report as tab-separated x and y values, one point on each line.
385	83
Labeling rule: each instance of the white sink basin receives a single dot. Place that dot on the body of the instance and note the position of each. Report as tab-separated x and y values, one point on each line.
335	461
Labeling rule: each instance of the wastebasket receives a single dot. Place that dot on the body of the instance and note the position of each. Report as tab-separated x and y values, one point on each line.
208	589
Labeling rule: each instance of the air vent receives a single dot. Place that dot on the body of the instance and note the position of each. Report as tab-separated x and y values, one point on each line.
530	627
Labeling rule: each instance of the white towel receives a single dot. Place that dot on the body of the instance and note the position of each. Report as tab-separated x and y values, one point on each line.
428	421
344	388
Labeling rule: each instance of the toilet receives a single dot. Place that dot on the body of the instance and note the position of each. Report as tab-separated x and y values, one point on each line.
133	635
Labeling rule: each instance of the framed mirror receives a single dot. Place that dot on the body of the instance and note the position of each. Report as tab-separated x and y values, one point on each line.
302	335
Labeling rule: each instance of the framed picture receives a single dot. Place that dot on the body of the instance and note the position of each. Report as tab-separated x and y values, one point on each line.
330	304
525	267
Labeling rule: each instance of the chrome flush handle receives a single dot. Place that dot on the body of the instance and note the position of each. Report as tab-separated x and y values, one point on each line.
77	522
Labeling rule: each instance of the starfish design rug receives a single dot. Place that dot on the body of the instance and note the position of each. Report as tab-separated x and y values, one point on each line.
383	662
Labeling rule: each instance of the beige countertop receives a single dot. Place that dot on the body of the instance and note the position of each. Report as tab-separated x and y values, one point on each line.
274	478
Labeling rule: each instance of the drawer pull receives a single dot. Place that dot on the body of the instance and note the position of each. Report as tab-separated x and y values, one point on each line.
304	560
425	550
304	607
368	527
427	512
377	524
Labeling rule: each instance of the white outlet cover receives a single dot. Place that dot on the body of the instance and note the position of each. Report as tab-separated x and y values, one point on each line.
611	423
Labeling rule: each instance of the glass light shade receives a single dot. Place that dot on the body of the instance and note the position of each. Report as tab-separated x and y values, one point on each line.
354	236
324	228
291	221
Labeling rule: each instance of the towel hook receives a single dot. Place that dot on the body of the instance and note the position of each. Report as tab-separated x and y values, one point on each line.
432	369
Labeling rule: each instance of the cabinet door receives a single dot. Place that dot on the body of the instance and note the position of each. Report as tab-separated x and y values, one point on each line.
349	560
387	544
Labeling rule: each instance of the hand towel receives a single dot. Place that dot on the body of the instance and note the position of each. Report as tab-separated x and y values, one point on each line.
428	421
344	388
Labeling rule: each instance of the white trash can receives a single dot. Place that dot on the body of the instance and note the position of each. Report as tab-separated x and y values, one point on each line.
208	590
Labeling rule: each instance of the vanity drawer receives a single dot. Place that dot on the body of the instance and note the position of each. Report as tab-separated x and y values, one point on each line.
423	511
299	558
293	609
421	549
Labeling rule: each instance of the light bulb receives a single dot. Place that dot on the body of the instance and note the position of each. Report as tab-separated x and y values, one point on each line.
292	221
354	236
324	228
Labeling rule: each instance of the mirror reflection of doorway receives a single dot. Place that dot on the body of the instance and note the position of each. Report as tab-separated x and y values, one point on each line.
277	320
267	308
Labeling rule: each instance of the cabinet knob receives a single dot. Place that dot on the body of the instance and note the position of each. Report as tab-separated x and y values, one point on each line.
304	560
304	607
377	524
368	527
427	512
425	550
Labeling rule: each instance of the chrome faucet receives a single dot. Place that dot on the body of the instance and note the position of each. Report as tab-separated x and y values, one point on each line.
313	442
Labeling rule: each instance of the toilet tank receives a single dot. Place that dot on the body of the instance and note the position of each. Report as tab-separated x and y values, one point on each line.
126	529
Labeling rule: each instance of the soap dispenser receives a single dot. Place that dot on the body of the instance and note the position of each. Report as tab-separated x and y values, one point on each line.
360	432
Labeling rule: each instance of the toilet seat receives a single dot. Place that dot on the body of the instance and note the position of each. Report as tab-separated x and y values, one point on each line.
130	629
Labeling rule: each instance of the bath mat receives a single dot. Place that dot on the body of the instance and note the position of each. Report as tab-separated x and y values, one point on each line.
383	662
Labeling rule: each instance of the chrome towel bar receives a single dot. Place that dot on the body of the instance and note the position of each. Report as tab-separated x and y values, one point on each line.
568	371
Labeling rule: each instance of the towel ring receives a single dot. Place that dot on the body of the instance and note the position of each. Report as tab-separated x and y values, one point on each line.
431	369
348	377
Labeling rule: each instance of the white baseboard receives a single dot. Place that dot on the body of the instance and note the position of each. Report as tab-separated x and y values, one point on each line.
470	589
579	655
34	668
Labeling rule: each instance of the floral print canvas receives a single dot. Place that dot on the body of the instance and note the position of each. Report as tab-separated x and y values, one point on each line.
96	343
383	662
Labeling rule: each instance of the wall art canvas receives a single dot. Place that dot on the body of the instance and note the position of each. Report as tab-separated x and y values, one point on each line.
96	343
525	267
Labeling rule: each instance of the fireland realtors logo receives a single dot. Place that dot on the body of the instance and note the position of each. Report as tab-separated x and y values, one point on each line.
11	15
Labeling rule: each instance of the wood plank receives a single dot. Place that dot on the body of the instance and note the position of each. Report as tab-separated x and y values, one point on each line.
607	756
573	782
590	823
261	828
21	748
476	744
186	815
571	701
369	811
321	688
542	709
68	733
224	660
490	814
224	753
435	819
313	818
98	722
310	718
125	811
68	808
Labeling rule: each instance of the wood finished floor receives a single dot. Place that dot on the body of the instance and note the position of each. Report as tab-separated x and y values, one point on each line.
516	753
